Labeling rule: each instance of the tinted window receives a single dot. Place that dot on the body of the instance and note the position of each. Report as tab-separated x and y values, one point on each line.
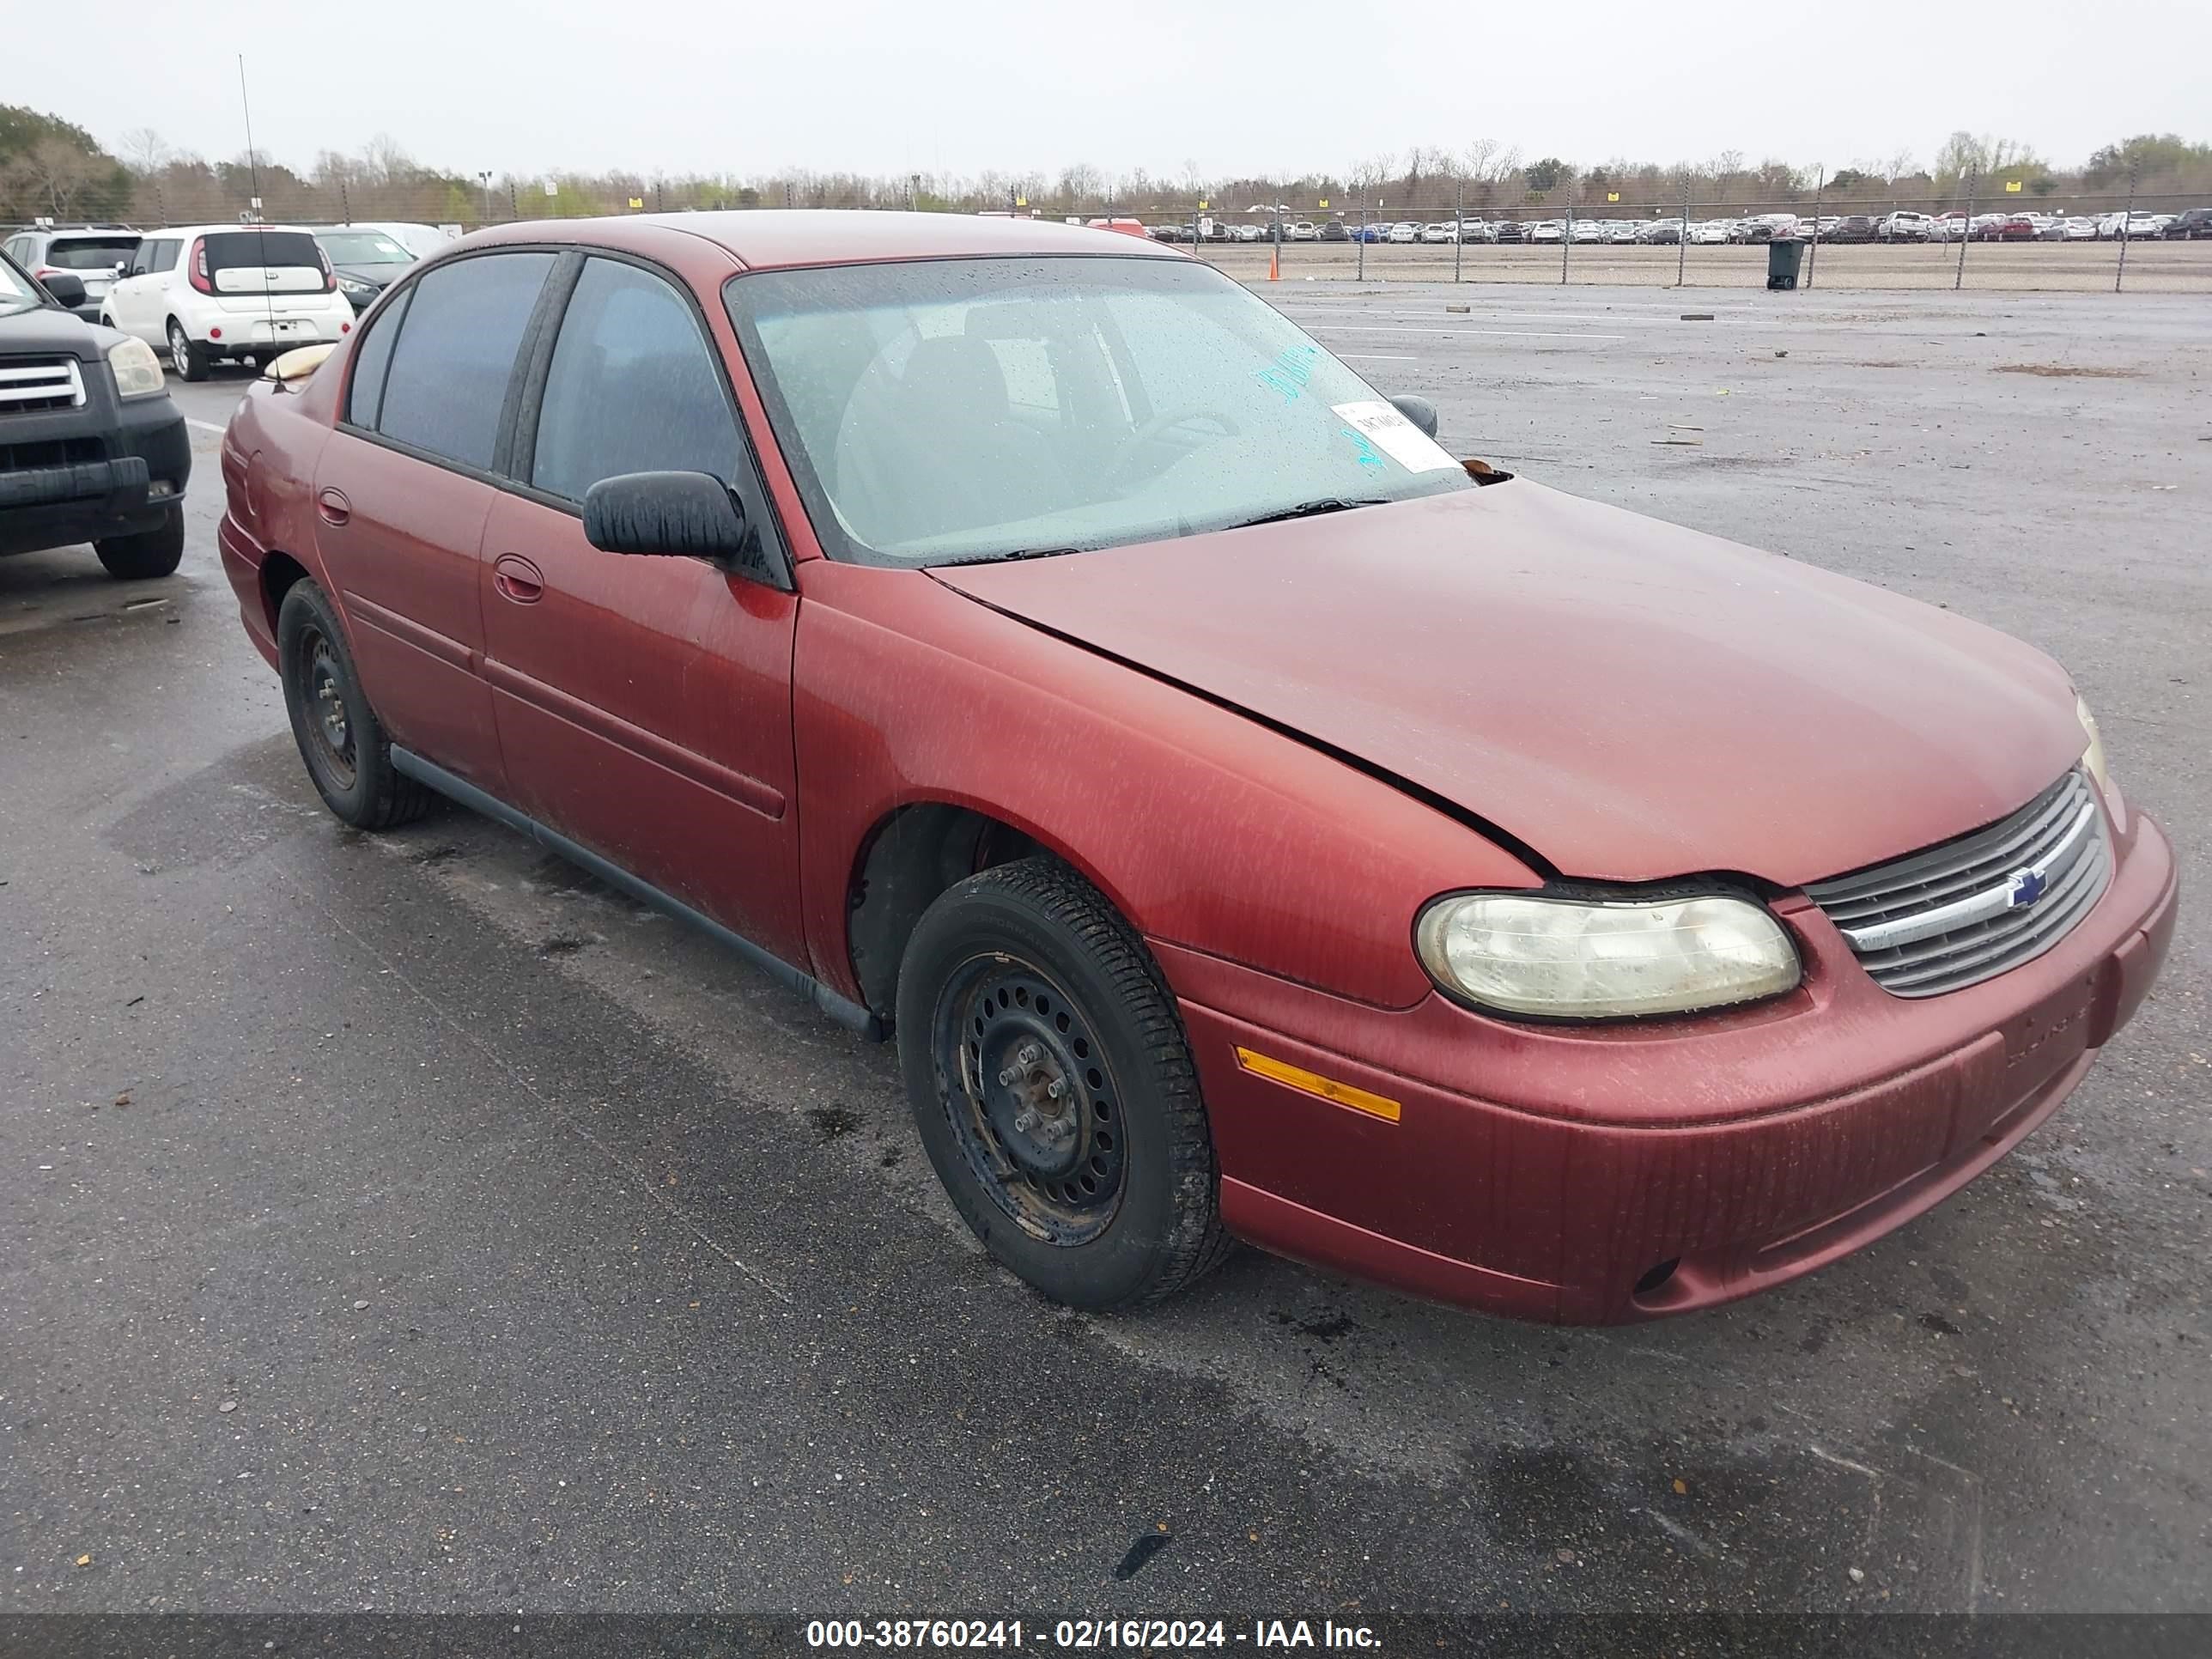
234	250
455	353
164	255
633	387
91	252
365	395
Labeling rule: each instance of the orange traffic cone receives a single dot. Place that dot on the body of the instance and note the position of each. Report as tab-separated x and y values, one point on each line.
1275	262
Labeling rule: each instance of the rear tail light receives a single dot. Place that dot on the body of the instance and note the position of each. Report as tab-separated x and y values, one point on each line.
45	271
330	277
198	266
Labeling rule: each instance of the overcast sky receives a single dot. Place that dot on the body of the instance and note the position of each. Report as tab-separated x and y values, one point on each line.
1264	86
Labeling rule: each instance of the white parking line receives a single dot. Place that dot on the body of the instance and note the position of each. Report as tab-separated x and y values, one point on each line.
1378	356
206	426
1512	334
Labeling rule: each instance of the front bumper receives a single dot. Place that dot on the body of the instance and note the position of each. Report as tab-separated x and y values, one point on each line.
1596	1176
108	468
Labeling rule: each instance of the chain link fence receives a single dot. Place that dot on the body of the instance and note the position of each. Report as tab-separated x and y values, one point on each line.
1978	236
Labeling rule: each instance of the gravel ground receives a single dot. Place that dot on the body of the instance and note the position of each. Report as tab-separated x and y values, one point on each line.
408	1223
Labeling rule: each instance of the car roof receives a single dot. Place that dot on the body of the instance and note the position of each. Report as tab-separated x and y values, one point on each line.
214	229
766	238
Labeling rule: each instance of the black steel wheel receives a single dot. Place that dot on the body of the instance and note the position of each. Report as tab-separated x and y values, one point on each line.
1031	1098
1054	1089
348	757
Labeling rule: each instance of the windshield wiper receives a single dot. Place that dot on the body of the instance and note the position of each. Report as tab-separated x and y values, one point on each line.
1309	510
1005	558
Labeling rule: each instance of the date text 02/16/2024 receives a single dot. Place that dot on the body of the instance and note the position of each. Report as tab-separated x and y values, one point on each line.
1088	1635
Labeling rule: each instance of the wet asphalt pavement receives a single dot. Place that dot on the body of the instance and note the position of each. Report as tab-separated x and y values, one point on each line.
408	1222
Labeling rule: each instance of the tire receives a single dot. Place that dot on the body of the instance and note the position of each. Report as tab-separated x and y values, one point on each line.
148	554
186	355
348	756
1026	968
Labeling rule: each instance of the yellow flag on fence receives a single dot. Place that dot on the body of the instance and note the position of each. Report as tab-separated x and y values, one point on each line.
2012	186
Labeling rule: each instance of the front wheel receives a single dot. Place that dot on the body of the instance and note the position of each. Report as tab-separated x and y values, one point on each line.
148	554
1054	1091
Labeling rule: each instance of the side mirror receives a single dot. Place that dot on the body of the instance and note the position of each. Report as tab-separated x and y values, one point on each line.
669	514
67	290
1420	411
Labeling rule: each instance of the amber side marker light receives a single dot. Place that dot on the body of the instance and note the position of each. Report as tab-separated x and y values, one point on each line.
1323	1088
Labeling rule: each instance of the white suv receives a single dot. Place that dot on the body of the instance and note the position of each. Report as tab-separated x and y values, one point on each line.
201	292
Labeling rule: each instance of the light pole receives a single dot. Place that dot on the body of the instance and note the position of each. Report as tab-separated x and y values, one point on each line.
485	179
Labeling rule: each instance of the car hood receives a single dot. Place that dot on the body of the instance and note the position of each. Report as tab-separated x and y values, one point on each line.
1630	699
376	277
61	332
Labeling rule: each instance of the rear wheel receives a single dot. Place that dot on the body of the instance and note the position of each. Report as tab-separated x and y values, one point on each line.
347	754
1054	1089
149	553
186	354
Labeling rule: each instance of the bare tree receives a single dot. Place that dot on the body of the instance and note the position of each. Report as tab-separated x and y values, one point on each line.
145	152
54	175
1898	165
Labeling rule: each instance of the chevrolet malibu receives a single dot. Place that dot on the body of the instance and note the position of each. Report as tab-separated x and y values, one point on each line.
1249	820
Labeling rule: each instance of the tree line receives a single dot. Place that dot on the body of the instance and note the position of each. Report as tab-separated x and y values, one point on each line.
54	168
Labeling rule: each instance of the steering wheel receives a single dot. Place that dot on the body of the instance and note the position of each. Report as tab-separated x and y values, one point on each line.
1133	445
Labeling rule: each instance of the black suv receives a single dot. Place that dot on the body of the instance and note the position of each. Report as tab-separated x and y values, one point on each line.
2197	222
91	448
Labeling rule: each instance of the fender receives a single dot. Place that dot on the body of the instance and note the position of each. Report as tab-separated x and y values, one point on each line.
1205	828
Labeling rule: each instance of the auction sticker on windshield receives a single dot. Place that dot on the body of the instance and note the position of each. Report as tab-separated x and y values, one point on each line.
1397	437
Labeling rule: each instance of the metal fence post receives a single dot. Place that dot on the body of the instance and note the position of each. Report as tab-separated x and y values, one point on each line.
1965	235
1682	243
1812	253
1459	222
2127	218
1361	275
1566	240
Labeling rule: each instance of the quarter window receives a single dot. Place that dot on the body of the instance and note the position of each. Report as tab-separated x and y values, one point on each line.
634	387
454	355
372	359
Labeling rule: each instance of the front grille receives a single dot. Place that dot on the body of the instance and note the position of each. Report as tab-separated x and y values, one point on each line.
29	386
1968	910
53	452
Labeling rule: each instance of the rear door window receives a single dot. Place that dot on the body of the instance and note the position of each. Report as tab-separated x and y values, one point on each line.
264	262
454	356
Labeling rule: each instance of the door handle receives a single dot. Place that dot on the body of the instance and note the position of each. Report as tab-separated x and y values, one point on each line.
515	578
332	506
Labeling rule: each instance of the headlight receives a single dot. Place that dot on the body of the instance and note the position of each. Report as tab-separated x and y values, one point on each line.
138	370
2092	757
363	290
1604	959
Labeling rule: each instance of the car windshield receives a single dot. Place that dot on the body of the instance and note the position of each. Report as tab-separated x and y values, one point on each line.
16	293
955	409
363	248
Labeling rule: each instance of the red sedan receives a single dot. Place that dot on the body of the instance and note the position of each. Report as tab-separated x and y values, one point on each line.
1249	821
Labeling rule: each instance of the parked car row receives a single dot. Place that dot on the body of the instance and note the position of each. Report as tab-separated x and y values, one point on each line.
199	293
1903	225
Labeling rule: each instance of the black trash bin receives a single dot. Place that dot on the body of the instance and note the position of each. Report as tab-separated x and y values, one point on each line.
1785	257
